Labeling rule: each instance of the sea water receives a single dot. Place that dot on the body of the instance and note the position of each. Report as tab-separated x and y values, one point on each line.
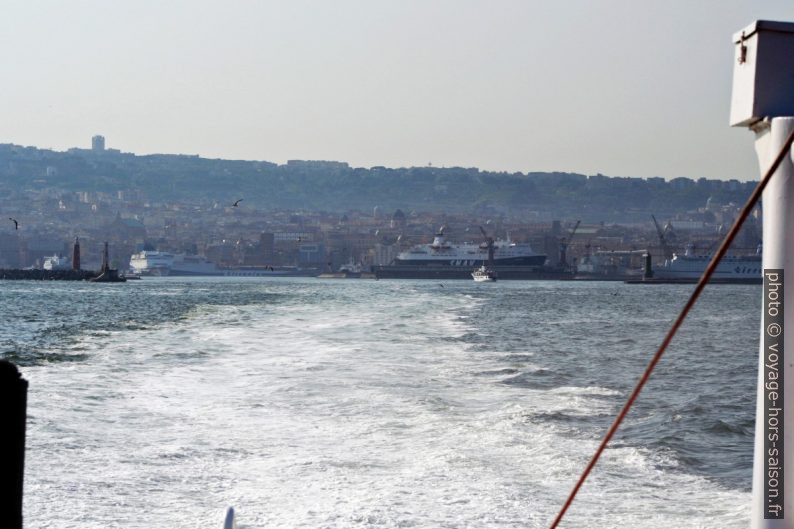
309	403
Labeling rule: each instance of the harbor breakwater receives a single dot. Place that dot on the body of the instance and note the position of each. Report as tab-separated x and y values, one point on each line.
48	275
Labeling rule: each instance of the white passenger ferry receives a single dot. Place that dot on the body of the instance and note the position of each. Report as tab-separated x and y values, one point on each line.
691	266
149	263
154	263
57	262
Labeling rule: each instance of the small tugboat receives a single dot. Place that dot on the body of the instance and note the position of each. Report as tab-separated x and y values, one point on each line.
484	273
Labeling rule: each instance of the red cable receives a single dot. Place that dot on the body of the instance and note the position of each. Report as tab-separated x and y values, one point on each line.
704	279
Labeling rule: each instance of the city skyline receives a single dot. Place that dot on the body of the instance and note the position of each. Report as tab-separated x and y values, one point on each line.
615	88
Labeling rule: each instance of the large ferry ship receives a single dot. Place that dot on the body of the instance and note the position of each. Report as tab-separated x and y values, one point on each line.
444	260
731	269
57	262
154	263
441	253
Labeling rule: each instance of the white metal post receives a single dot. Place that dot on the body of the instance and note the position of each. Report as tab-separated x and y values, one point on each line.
773	464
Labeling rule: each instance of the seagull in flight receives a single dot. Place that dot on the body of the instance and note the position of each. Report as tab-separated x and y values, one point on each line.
16	224
237	202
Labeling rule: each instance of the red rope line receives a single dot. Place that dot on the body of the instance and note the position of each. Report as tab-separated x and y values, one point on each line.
704	279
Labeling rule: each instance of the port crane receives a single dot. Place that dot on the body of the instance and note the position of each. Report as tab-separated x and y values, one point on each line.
488	244
668	253
564	245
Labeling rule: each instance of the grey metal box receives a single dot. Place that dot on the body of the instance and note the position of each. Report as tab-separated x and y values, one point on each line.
763	72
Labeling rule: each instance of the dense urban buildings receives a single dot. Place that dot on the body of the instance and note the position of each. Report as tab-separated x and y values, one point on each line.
325	214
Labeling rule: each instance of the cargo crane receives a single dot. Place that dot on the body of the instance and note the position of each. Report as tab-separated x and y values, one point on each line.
486	272
668	253
564	245
489	245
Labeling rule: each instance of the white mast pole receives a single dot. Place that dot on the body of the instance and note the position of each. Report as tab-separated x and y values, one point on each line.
763	100
773	461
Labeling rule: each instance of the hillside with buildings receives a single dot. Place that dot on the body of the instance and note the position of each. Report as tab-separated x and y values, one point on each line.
335	186
323	214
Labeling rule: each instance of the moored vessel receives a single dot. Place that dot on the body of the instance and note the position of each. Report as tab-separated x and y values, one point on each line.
57	262
154	263
443	253
151	263
484	274
690	265
444	260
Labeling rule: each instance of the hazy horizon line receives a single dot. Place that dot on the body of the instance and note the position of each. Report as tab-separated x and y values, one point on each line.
352	166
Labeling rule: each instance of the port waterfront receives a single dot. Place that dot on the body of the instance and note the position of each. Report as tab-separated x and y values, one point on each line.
259	233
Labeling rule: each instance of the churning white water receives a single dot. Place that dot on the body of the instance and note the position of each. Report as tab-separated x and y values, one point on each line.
320	404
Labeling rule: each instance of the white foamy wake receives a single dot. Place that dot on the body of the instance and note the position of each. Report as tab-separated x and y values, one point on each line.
329	415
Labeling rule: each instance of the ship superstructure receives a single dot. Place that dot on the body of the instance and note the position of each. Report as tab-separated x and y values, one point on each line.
442	259
57	262
443	253
151	263
690	265
154	263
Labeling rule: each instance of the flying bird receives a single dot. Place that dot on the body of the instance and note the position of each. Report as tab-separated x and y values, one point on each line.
237	202
16	224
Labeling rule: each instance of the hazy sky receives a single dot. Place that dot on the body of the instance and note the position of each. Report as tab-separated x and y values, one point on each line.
620	87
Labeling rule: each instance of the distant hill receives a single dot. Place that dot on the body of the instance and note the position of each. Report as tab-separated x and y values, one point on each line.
335	186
